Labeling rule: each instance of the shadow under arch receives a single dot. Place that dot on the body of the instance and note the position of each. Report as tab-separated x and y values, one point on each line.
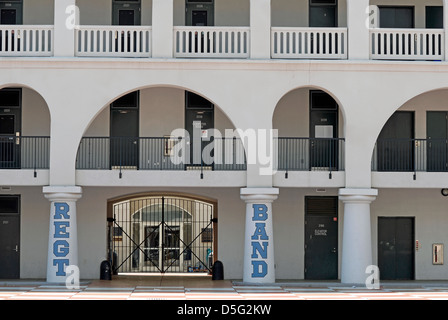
407	140
311	126
162	232
25	124
226	136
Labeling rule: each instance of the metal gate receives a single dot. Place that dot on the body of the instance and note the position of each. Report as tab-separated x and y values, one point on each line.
162	235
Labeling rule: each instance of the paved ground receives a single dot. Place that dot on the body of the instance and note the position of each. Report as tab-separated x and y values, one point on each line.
203	288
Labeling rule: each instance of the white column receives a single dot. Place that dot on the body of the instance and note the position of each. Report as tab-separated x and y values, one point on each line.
356	238
445	26
65	18
358	31
162	28
259	263
63	234
260	29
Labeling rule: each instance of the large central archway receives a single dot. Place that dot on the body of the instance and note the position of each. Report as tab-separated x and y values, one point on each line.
162	233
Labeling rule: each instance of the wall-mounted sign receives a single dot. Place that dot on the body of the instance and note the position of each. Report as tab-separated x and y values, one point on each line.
437	253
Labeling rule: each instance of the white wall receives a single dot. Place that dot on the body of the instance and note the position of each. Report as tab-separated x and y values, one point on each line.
291	13
35	114
161	111
38	12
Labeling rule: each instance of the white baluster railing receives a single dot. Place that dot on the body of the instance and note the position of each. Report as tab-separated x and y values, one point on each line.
113	41
26	40
407	44
308	43
212	42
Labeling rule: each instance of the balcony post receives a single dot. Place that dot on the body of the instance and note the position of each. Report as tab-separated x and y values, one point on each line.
357	28
162	28
65	18
260	29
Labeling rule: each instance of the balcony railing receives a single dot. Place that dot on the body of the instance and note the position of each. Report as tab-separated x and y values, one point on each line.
24	152
159	153
18	40
311	154
410	155
309	43
211	42
407	44
113	41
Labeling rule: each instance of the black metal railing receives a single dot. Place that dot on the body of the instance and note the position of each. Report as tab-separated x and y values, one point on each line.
21	152
310	154
158	153
410	155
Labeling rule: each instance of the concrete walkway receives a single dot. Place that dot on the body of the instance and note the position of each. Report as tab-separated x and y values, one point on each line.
170	287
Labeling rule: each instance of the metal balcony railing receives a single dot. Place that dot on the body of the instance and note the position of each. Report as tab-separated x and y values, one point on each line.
310	154
410	155
159	153
24	152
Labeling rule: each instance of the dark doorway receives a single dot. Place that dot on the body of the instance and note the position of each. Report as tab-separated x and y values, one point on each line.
124	131
437	144
395	144
9	237
199	13
321	238
199	118
396	17
323	13
323	131
396	248
11	12
126	13
434	17
10	128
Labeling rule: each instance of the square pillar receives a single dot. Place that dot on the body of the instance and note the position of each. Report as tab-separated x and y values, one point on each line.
66	17
358	30
162	28
260	29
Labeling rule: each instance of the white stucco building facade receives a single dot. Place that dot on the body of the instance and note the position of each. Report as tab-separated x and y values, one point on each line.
90	99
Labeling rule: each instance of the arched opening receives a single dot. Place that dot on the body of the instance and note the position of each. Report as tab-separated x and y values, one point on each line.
24	129
161	128
310	131
162	233
414	138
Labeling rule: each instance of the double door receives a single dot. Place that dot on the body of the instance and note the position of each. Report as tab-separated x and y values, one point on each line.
396	248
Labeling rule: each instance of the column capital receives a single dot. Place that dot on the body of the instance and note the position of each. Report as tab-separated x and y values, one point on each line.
59	193
259	194
357	195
